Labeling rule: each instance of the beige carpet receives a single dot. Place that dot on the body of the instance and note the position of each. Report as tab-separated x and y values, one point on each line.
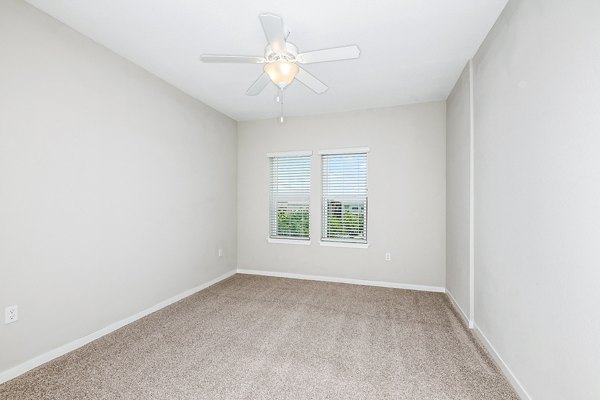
252	337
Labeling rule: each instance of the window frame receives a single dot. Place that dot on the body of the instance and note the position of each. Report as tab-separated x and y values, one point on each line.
343	242
288	239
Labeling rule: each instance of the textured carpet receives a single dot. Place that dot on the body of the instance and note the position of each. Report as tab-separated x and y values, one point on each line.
252	337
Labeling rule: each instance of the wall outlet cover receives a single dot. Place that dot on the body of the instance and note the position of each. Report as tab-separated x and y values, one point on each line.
11	314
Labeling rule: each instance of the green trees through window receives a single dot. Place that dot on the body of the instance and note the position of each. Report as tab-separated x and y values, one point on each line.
347	226
293	223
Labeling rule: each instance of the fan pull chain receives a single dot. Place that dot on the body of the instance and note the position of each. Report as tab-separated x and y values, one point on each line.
280	97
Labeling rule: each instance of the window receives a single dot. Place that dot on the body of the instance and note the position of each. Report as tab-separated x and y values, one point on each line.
290	196
344	208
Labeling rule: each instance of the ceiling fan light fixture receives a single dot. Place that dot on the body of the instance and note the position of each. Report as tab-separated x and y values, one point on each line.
282	61
282	73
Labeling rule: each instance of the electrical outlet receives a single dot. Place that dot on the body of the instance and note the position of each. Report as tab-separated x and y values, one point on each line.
220	252
388	256
11	314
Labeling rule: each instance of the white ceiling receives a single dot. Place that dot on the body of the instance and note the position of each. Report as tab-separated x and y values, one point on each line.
412	50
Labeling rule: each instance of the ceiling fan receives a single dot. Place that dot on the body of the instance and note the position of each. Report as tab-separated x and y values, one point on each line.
281	60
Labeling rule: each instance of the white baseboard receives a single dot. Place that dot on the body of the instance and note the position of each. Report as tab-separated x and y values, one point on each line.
461	312
409	286
59	351
500	362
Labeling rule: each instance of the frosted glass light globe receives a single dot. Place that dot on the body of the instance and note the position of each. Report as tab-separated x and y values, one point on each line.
282	73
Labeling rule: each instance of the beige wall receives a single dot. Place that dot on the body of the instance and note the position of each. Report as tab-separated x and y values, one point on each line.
115	188
537	195
458	179
406	178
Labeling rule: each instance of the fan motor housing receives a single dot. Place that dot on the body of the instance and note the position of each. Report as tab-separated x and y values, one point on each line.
290	55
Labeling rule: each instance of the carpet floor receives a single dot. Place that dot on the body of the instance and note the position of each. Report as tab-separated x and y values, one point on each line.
252	337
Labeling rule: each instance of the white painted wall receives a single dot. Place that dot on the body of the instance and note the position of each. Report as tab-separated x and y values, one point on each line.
115	188
406	178
537	195
458	144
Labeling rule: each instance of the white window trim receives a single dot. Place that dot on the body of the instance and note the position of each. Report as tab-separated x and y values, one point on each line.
301	153
344	244
302	242
291	154
354	150
334	243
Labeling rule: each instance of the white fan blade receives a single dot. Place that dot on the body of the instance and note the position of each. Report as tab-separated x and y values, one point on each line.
274	31
223	58
311	82
335	54
259	85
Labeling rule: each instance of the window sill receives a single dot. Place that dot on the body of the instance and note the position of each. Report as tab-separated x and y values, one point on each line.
289	241
344	244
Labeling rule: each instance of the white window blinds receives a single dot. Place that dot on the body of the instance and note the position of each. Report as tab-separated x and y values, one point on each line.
290	197
344	208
